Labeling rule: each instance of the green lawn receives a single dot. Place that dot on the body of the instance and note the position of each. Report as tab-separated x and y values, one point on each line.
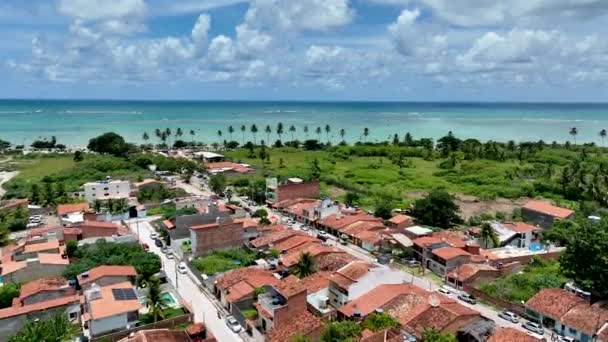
522	286
222	261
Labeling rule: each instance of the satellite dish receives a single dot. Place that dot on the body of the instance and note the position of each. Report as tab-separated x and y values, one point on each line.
434	301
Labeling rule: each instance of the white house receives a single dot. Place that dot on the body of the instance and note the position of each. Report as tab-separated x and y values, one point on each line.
103	190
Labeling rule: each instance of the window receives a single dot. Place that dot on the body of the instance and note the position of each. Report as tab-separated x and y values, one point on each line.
73	315
572	331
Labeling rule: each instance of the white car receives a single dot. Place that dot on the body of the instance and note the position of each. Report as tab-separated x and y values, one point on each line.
181	268
445	290
169	254
233	324
154	236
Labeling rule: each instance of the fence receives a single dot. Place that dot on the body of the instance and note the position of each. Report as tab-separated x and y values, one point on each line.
164	324
503	304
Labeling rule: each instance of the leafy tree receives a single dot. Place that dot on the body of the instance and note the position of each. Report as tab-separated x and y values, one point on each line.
155	303
437	209
218	183
379	321
315	169
35	196
300	338
71	247
585	259
488	234
312	145
109	143
260	213
561	233
344	331
280	130
434	335
4	145
305	265
383	208
55	328
573	132
7	293
268	130
49	194
180	144
78	156
351	198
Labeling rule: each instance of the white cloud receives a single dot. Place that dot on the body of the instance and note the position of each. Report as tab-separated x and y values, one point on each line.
179	7
251	42
102	9
200	31
402	32
221	50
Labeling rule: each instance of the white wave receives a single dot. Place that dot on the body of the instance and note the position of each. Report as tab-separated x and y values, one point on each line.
133	112
15	112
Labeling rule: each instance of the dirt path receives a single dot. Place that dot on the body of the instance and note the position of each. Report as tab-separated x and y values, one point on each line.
5	177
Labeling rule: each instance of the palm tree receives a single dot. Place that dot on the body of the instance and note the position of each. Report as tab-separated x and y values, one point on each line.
179	132
243	130
146	137
254	131
97	205
154	301
120	206
305	265
327	130
110	203
163	137
365	133
230	131
219	137
292	130
56	327
573	133
168	133
158	133
318	131
268	130
192	134
603	136
488	234
280	130
342	133
306	131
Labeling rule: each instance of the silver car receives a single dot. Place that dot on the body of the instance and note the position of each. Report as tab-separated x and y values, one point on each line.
533	327
233	324
509	316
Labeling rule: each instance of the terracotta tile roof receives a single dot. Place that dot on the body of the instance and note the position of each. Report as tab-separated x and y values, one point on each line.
290	286
39	231
294	241
274	238
554	302
483	256
13	203
63	209
228	165
378	297
449	253
52	259
298	208
548	209
339	221
253	276
316	281
262	311
12	266
43	246
97	224
72	231
350	273
587	318
239	290
426	241
302	324
361	226
511	335
441	317
107	271
168	224
49	304
333	261
466	271
289	202
372	237
521	227
401	218
314	248
42	284
107	305
454	237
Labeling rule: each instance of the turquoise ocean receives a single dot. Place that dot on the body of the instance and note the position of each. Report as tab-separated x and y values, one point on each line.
74	122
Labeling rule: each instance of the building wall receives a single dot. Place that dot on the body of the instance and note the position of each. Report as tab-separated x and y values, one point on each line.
91	232
222	236
540	219
373	278
107	324
9	326
295	305
297	190
102	191
34	270
183	223
48	295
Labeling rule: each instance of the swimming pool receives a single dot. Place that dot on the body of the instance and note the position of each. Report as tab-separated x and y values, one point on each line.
536	247
166	296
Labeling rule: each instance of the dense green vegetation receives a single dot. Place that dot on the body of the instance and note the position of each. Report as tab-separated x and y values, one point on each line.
7	293
522	286
55	328
437	209
379	321
222	261
107	253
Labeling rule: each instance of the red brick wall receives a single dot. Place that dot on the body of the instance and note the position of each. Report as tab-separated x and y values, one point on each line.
524	259
89	232
296	305
223	236
298	190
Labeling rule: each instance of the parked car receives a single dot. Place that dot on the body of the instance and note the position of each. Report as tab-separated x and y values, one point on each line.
533	327
154	236
158	243
304	228
33	224
467	298
181	268
343	242
169	254
233	324
445	290
509	316
565	339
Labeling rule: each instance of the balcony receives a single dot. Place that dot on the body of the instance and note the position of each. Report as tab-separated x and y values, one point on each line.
271	300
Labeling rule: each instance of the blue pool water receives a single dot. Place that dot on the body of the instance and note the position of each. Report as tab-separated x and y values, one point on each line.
168	298
536	247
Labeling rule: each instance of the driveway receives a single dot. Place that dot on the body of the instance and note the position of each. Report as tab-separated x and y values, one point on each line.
204	309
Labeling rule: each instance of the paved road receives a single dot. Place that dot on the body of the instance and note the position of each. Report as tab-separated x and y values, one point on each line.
204	309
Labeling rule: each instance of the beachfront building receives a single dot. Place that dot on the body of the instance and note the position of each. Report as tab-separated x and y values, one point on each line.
106	189
291	189
544	214
208	157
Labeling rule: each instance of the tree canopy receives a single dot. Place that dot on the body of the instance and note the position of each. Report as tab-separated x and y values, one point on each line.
109	143
434	335
379	321
218	183
7	293
55	328
437	209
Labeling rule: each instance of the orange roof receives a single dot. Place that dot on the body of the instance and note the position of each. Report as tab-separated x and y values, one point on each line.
302	324
107	305
290	286
426	241
378	297
254	276
511	335
42	284
294	241
521	227
40	231
340	221
52	259
398	219
168	224
314	248
274	237
72	231
13	203
228	165
586	318
548	209
262	311
97	224
466	271
49	304
333	261
107	271
289	202
12	266
350	273
448	253
553	302
43	246
239	290
63	209
159	335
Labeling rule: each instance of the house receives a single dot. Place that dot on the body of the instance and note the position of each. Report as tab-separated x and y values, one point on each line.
400	221
227	167
179	228
313	248
91	229
358	277
511	335
241	283
10	205
106	189
448	258
517	234
197	332
544	214
472	274
335	224
304	324
415	232
110	308
33	258
208	157
333	261
225	233
414	308
568	314
70	214
278	235
279	303
43	289
292	188
107	275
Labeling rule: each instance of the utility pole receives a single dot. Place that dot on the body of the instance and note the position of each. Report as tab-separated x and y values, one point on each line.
176	274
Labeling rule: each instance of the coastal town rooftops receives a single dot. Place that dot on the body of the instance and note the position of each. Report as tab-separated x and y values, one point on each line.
511	335
64	209
302	324
399	219
548	209
378	298
40	285
53	259
339	221
402	240
449	253
106	271
254	275
158	335
586	318
554	302
40	306
466	271
521	227
294	241
108	304
349	274
42	246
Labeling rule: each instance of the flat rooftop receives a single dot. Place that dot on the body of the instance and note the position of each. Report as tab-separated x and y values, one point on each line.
511	251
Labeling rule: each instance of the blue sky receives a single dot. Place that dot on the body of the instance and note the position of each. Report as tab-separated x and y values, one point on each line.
409	50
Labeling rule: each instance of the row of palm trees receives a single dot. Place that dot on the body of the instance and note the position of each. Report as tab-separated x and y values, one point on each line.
164	135
602	133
